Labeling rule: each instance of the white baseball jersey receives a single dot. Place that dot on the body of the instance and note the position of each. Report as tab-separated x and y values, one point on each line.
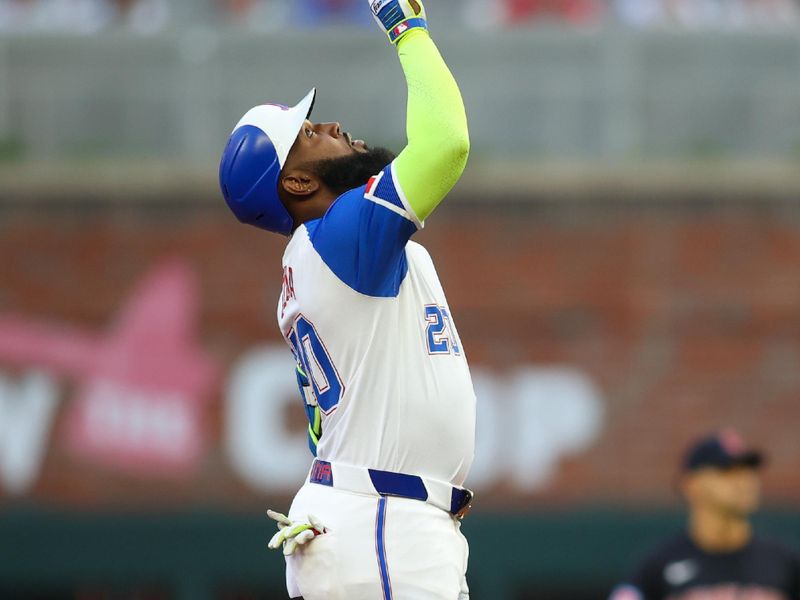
377	348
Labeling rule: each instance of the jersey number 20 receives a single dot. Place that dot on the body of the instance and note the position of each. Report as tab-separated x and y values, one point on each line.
316	361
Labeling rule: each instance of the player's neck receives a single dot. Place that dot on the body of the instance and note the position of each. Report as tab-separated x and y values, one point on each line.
312	209
716	532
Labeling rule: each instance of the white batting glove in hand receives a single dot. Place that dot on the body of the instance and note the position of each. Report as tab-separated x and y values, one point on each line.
292	534
398	17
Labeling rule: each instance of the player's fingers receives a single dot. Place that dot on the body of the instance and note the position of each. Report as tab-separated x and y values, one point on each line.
281	520
279	538
316	523
289	547
306	536
276	541
295	529
279	517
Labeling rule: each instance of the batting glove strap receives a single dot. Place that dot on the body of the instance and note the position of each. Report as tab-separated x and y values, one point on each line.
398	17
404	27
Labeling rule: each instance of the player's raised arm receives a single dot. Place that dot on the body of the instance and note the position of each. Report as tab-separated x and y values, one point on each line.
438	139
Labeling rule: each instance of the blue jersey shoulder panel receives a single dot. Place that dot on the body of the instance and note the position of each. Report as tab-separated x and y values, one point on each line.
362	239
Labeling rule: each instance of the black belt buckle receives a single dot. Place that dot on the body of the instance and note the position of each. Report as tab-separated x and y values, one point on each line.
466	505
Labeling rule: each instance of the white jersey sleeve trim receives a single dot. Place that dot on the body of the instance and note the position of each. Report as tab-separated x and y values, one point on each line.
395	209
412	215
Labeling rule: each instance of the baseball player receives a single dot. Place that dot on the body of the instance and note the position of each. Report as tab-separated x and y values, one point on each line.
719	557
382	371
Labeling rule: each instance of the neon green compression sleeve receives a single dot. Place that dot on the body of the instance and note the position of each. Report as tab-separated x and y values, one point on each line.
438	139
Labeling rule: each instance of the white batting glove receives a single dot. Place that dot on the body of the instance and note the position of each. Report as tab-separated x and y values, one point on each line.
292	534
398	17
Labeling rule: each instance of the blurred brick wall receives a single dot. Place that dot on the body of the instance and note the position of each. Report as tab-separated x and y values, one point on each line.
689	320
686	315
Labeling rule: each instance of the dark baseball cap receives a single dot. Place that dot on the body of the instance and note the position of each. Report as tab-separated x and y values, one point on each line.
722	450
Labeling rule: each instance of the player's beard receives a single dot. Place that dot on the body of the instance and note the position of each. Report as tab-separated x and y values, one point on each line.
348	172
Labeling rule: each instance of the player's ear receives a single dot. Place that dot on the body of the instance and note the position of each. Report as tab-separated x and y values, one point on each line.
299	183
689	485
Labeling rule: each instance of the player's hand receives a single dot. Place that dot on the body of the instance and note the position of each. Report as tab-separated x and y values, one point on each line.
398	17
292	534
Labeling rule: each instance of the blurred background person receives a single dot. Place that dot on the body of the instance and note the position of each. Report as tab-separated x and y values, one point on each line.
16	15
709	14
718	556
573	12
318	13
487	14
259	15
82	17
62	16
142	16
273	15
639	13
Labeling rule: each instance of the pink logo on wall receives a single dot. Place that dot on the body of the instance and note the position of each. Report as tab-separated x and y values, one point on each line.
731	441
141	387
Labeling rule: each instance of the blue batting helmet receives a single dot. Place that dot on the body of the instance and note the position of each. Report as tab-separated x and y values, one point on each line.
253	159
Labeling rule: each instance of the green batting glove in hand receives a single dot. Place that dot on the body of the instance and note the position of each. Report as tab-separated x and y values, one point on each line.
292	534
398	17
